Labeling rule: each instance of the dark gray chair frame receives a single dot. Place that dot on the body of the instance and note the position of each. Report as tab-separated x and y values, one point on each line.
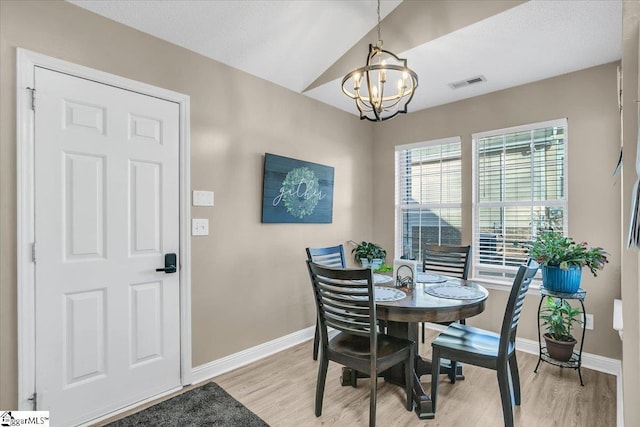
447	260
487	349
345	301
332	256
452	261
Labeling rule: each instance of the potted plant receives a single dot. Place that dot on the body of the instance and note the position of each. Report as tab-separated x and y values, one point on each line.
561	260
558	316
370	255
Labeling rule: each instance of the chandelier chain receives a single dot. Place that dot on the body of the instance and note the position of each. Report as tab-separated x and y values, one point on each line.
379	38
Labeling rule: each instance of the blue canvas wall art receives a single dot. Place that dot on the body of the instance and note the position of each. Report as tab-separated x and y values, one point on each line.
295	191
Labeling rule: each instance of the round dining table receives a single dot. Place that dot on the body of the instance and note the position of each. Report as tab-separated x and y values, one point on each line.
425	303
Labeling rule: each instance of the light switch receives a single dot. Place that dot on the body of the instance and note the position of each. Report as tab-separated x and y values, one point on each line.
202	198
199	227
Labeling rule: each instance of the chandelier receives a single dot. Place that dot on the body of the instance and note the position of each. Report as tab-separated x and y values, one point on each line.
375	99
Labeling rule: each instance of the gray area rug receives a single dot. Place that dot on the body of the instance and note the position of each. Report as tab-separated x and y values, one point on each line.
208	405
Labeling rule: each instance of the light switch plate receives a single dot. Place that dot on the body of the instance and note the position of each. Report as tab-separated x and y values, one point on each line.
199	227
202	198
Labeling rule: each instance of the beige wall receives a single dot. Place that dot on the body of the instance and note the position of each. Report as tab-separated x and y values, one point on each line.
630	264
249	282
588	100
235	118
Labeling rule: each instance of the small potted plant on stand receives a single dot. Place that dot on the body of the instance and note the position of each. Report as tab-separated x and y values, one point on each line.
561	260
558	316
370	255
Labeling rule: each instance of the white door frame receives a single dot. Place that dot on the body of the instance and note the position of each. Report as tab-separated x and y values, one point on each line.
25	150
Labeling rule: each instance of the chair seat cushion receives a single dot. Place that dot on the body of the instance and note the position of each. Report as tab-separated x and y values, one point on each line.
358	346
464	338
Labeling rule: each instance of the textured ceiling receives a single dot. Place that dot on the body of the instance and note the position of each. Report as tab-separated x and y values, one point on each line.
301	44
289	43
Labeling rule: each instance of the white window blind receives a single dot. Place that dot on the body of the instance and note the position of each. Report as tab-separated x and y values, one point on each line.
428	196
520	187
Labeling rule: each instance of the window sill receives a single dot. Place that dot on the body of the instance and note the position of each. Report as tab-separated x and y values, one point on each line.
534	288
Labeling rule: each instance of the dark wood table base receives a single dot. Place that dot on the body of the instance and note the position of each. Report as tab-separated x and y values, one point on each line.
395	375
403	317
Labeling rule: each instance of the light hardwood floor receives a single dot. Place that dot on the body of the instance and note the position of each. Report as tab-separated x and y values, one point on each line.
280	389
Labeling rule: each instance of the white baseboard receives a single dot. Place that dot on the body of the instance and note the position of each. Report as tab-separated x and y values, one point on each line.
233	361
589	361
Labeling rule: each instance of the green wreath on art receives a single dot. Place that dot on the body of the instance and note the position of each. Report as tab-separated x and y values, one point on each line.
296	204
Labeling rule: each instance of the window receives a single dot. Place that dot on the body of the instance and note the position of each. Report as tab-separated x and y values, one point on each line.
520	187
428	196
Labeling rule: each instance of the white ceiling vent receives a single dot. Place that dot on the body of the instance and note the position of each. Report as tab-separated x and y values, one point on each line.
467	82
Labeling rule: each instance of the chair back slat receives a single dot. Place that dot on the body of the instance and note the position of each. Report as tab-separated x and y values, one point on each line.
337	304
348	326
514	305
344	299
450	261
329	257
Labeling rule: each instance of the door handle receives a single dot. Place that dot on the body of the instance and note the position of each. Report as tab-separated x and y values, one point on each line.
170	263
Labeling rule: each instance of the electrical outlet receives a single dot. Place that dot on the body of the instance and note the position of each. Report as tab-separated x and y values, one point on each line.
199	227
589	322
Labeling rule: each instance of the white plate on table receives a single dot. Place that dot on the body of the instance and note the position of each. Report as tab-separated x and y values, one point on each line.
388	294
383	293
453	291
379	279
431	278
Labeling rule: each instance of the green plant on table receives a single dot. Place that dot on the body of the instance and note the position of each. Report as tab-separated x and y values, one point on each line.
384	268
368	250
559	316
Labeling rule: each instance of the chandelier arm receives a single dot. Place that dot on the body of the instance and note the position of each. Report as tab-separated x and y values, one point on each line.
411	93
363	105
372	96
394	104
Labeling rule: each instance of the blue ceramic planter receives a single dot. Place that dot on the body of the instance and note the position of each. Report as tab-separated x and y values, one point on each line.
559	280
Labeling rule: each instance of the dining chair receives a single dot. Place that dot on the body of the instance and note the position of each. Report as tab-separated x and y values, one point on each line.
345	301
332	256
452	261
487	349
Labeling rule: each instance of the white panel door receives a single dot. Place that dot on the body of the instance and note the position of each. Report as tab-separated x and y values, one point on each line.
106	213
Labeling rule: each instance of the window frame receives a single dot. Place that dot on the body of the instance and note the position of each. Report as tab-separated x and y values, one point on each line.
400	208
475	204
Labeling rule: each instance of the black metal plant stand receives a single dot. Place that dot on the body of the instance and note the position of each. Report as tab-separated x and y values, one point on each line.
576	358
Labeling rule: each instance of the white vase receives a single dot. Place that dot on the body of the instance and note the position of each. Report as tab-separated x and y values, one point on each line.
374	264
